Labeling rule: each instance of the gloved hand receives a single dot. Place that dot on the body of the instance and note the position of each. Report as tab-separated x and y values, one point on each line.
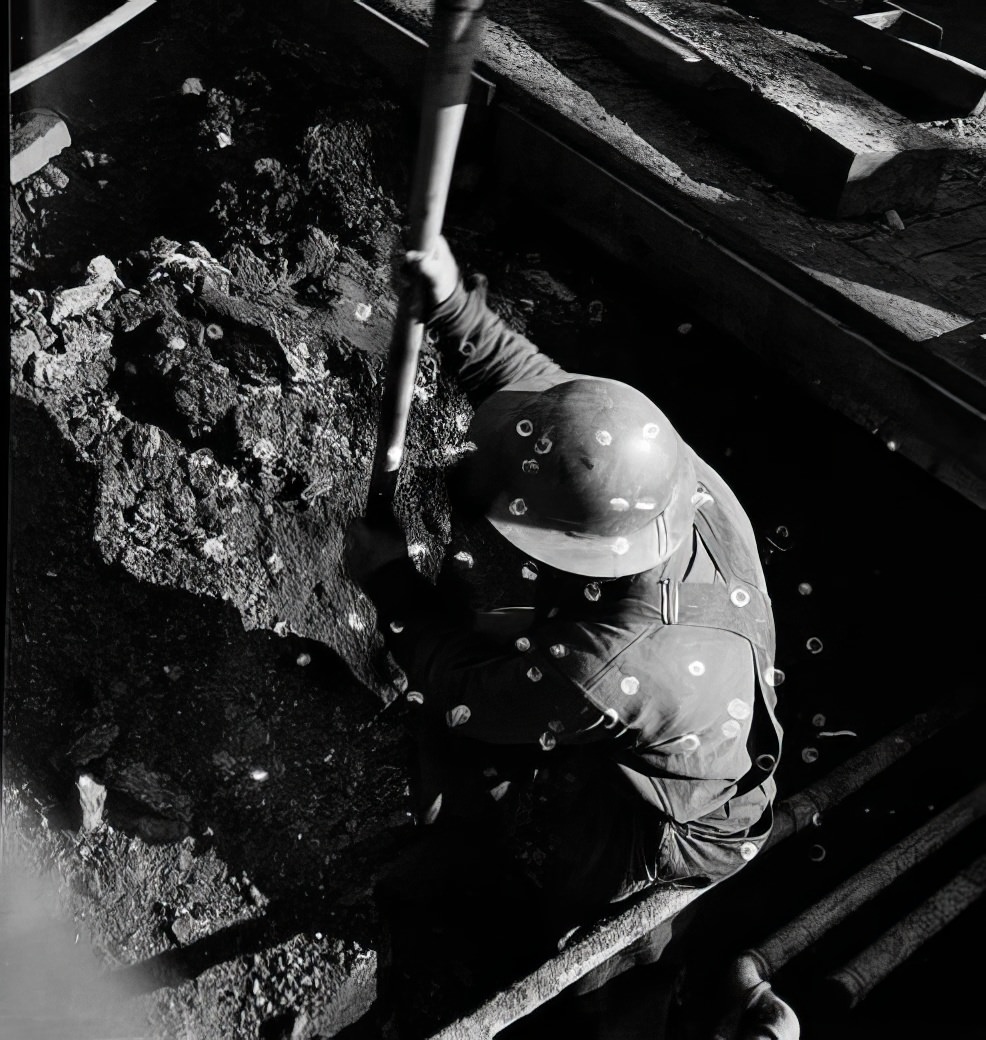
370	546
436	270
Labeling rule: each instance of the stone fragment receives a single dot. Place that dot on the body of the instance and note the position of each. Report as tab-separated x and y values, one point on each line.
92	796
35	143
100	284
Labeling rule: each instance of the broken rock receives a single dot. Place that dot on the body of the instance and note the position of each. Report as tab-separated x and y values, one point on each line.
92	796
35	143
100	284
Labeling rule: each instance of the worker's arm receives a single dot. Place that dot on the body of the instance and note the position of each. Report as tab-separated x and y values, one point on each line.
516	694
476	345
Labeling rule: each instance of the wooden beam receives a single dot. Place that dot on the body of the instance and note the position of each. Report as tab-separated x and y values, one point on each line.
384	41
957	85
817	135
895	21
82	41
884	389
797	293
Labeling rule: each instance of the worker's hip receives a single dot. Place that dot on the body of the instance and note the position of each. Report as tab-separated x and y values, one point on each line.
698	853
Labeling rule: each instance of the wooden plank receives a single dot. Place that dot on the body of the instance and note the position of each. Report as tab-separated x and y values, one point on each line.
922	418
947	253
846	326
74	46
937	233
957	85
384	41
819	136
894	21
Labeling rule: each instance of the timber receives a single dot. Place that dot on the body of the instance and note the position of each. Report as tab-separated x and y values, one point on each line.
393	48
919	64
868	335
822	138
902	404
74	46
856	979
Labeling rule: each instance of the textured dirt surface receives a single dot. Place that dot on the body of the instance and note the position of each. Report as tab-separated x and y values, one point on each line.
201	294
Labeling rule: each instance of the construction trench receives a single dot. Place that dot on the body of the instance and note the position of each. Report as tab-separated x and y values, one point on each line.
205	760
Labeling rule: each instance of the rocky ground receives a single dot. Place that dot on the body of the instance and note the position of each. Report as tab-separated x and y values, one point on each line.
202	292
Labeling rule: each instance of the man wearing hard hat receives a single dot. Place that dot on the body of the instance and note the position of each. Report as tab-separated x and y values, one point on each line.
637	681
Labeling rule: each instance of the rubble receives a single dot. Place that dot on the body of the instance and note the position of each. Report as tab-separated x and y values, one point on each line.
41	137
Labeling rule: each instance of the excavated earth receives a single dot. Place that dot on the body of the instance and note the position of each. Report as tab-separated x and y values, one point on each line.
202	292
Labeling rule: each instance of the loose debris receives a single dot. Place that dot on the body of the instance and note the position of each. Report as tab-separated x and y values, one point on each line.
41	137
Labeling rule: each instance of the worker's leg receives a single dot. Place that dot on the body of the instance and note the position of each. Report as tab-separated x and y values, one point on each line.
458	915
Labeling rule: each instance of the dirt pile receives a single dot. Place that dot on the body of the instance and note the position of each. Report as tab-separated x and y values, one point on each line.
202	296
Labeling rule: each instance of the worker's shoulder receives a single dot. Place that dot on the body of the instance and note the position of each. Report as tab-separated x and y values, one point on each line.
601	654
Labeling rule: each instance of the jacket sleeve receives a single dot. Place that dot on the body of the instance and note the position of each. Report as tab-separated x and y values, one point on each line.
482	351
513	694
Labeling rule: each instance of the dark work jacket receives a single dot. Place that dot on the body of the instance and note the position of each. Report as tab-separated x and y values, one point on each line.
668	672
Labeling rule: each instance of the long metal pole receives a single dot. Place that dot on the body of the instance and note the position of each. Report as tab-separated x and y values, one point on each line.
855	980
796	813
824	915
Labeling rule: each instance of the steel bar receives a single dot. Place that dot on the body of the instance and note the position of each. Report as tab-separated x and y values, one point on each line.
605	939
811	924
75	45
796	813
857	978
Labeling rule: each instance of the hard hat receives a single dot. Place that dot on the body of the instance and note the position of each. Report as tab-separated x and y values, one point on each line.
588	476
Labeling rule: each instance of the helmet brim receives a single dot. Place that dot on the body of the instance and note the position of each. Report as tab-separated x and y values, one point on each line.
597	556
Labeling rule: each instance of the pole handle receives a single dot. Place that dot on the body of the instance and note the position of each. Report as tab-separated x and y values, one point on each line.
455	39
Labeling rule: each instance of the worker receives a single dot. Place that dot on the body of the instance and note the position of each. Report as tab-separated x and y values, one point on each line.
633	688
